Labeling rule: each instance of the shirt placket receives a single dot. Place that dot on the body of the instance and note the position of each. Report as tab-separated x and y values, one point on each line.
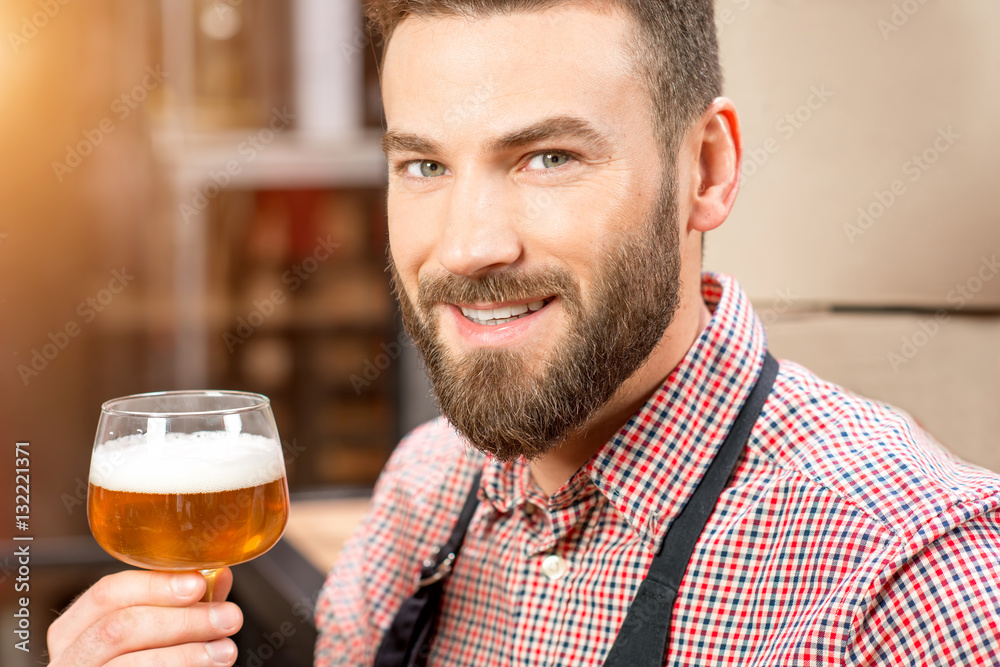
547	559
548	521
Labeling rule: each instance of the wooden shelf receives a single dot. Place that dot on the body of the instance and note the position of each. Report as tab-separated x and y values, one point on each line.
242	159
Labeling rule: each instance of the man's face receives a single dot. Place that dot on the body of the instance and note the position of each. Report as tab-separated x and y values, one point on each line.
533	231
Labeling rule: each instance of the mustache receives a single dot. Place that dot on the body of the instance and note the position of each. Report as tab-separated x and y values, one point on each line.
503	285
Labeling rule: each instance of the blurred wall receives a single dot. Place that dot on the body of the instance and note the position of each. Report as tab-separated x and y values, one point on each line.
76	187
867	228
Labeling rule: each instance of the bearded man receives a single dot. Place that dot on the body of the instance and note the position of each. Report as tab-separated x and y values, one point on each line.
623	475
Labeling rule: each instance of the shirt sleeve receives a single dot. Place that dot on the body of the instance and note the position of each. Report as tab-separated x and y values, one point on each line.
939	607
378	565
343	612
351	609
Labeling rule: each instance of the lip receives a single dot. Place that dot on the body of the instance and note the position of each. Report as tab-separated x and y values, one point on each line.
520	330
484	305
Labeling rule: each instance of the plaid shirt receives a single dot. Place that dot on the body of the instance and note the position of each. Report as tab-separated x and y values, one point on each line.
847	536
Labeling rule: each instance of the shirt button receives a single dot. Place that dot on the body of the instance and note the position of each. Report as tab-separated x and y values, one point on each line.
554	566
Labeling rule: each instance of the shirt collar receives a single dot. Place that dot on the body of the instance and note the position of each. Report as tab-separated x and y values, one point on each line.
649	469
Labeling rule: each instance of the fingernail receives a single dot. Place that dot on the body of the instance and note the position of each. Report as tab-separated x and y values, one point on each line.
183	586
225	616
221	651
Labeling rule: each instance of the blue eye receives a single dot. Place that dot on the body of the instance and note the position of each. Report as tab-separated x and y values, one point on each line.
425	169
548	160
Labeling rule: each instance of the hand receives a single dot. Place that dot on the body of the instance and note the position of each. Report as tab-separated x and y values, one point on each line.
138	618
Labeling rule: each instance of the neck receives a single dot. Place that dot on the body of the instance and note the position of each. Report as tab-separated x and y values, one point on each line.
556	467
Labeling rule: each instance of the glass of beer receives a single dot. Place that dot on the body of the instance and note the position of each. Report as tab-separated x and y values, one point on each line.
187	480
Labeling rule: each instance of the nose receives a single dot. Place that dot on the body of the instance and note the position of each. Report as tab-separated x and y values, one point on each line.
480	234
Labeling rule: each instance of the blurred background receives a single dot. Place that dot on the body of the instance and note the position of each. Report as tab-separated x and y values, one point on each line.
193	196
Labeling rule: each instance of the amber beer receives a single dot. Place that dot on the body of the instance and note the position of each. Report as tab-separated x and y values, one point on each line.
188	504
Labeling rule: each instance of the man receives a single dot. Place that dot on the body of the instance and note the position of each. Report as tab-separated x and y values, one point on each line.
553	167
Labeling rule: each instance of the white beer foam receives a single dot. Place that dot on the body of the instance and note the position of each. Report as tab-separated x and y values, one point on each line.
204	462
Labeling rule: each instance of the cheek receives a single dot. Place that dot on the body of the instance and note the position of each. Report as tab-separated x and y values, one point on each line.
578	227
564	222
411	238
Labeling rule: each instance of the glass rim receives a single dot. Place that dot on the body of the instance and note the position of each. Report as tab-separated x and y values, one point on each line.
260	401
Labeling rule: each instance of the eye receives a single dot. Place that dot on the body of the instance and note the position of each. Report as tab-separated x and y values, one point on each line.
424	169
549	160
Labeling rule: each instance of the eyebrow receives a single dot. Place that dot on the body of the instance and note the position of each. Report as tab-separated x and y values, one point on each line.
404	142
556	127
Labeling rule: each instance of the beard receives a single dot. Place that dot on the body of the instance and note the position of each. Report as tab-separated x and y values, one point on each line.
510	402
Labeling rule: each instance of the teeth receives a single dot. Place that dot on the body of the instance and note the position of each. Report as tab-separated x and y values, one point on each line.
495	316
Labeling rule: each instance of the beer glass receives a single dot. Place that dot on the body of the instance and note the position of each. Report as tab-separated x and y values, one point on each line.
187	480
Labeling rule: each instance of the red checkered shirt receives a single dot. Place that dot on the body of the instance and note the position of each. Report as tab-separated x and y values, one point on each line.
847	535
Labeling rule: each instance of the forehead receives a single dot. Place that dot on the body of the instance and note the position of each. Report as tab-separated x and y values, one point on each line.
447	76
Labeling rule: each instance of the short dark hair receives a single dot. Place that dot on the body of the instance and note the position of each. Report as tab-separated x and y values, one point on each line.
676	48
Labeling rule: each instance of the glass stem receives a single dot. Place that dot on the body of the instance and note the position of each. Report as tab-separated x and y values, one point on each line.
210	579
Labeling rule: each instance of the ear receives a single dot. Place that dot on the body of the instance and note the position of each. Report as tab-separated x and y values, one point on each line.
716	150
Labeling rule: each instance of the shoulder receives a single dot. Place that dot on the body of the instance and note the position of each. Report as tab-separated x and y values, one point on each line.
917	529
415	503
433	441
421	490
872	456
428	459
413	508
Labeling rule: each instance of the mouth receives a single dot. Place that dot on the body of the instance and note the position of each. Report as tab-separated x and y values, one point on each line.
504	314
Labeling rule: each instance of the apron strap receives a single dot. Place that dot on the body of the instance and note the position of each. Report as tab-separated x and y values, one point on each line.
642	639
407	642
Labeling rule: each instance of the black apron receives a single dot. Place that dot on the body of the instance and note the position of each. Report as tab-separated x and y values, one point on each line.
642	639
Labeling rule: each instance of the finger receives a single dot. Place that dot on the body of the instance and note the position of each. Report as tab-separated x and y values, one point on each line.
223	584
221	652
136	629
120	590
